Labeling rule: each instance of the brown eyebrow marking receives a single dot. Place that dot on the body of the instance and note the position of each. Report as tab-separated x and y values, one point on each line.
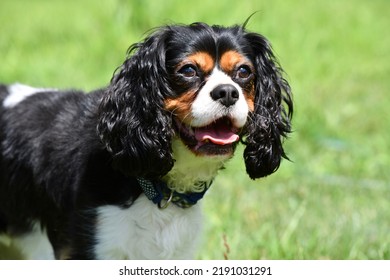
230	59
203	60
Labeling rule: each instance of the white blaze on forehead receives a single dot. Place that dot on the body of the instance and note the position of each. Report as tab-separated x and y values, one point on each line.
19	92
205	110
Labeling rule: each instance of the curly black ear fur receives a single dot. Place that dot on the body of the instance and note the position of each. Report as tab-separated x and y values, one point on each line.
269	123
132	122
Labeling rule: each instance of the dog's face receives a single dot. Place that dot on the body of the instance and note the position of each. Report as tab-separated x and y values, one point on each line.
210	86
212	98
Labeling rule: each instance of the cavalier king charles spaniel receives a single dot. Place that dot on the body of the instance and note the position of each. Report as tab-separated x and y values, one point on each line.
117	173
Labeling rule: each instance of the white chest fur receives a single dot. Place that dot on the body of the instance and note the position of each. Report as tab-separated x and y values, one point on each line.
144	231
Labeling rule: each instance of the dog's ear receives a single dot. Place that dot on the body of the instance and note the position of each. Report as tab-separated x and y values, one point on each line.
270	121
133	124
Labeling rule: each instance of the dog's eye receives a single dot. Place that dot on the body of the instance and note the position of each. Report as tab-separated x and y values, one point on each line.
243	72
188	71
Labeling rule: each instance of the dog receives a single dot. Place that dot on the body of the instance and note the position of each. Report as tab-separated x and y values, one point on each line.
118	173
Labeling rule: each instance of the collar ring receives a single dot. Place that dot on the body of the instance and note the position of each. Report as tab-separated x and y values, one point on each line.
166	204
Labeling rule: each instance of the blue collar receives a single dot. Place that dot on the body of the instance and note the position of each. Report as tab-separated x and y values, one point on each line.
157	191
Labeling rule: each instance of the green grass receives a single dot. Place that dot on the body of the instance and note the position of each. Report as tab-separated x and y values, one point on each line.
333	200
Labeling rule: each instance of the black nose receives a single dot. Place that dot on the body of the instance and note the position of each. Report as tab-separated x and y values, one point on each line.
226	94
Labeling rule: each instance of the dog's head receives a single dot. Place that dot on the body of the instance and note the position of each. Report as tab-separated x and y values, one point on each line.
209	85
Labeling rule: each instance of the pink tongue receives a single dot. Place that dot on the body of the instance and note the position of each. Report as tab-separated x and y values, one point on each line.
218	134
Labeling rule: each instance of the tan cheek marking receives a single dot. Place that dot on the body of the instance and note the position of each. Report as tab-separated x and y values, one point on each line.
181	107
229	61
250	99
203	60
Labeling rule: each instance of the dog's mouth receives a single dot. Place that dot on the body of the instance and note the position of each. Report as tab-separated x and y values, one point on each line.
217	138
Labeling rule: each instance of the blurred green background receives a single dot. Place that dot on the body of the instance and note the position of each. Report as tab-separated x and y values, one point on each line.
333	200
